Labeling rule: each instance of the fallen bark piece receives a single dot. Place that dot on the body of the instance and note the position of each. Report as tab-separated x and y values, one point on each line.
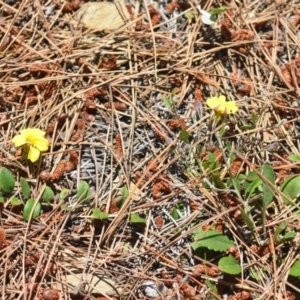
101	16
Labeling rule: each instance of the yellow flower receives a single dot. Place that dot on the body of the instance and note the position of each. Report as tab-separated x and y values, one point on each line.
34	142
220	106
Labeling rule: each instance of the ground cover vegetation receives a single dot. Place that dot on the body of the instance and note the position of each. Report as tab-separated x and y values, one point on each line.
154	157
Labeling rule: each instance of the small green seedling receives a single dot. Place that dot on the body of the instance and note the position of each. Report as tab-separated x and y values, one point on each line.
99	215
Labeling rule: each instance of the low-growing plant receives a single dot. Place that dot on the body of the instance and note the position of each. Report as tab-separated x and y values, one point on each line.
136	219
99	215
32	207
216	241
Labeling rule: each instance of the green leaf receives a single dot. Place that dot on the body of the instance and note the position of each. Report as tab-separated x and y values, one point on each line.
247	127
228	148
214	166
216	11
250	188
251	176
7	180
2	200
207	18
84	192
212	240
295	269
190	15
135	218
28	209
212	162
65	207
99	215
257	275
291	188
254	118
184	135
15	201
206	165
222	131
268	190
88	196
282	226
247	220
236	183
288	236
174	214
213	288
218	182
25	188
63	194
48	194
167	102
125	195
229	265
211	157
294	157
254	274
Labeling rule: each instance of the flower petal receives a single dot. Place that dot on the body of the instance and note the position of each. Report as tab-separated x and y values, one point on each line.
35	132
231	107
41	144
212	102
33	154
220	109
36	138
222	100
19	140
220	106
